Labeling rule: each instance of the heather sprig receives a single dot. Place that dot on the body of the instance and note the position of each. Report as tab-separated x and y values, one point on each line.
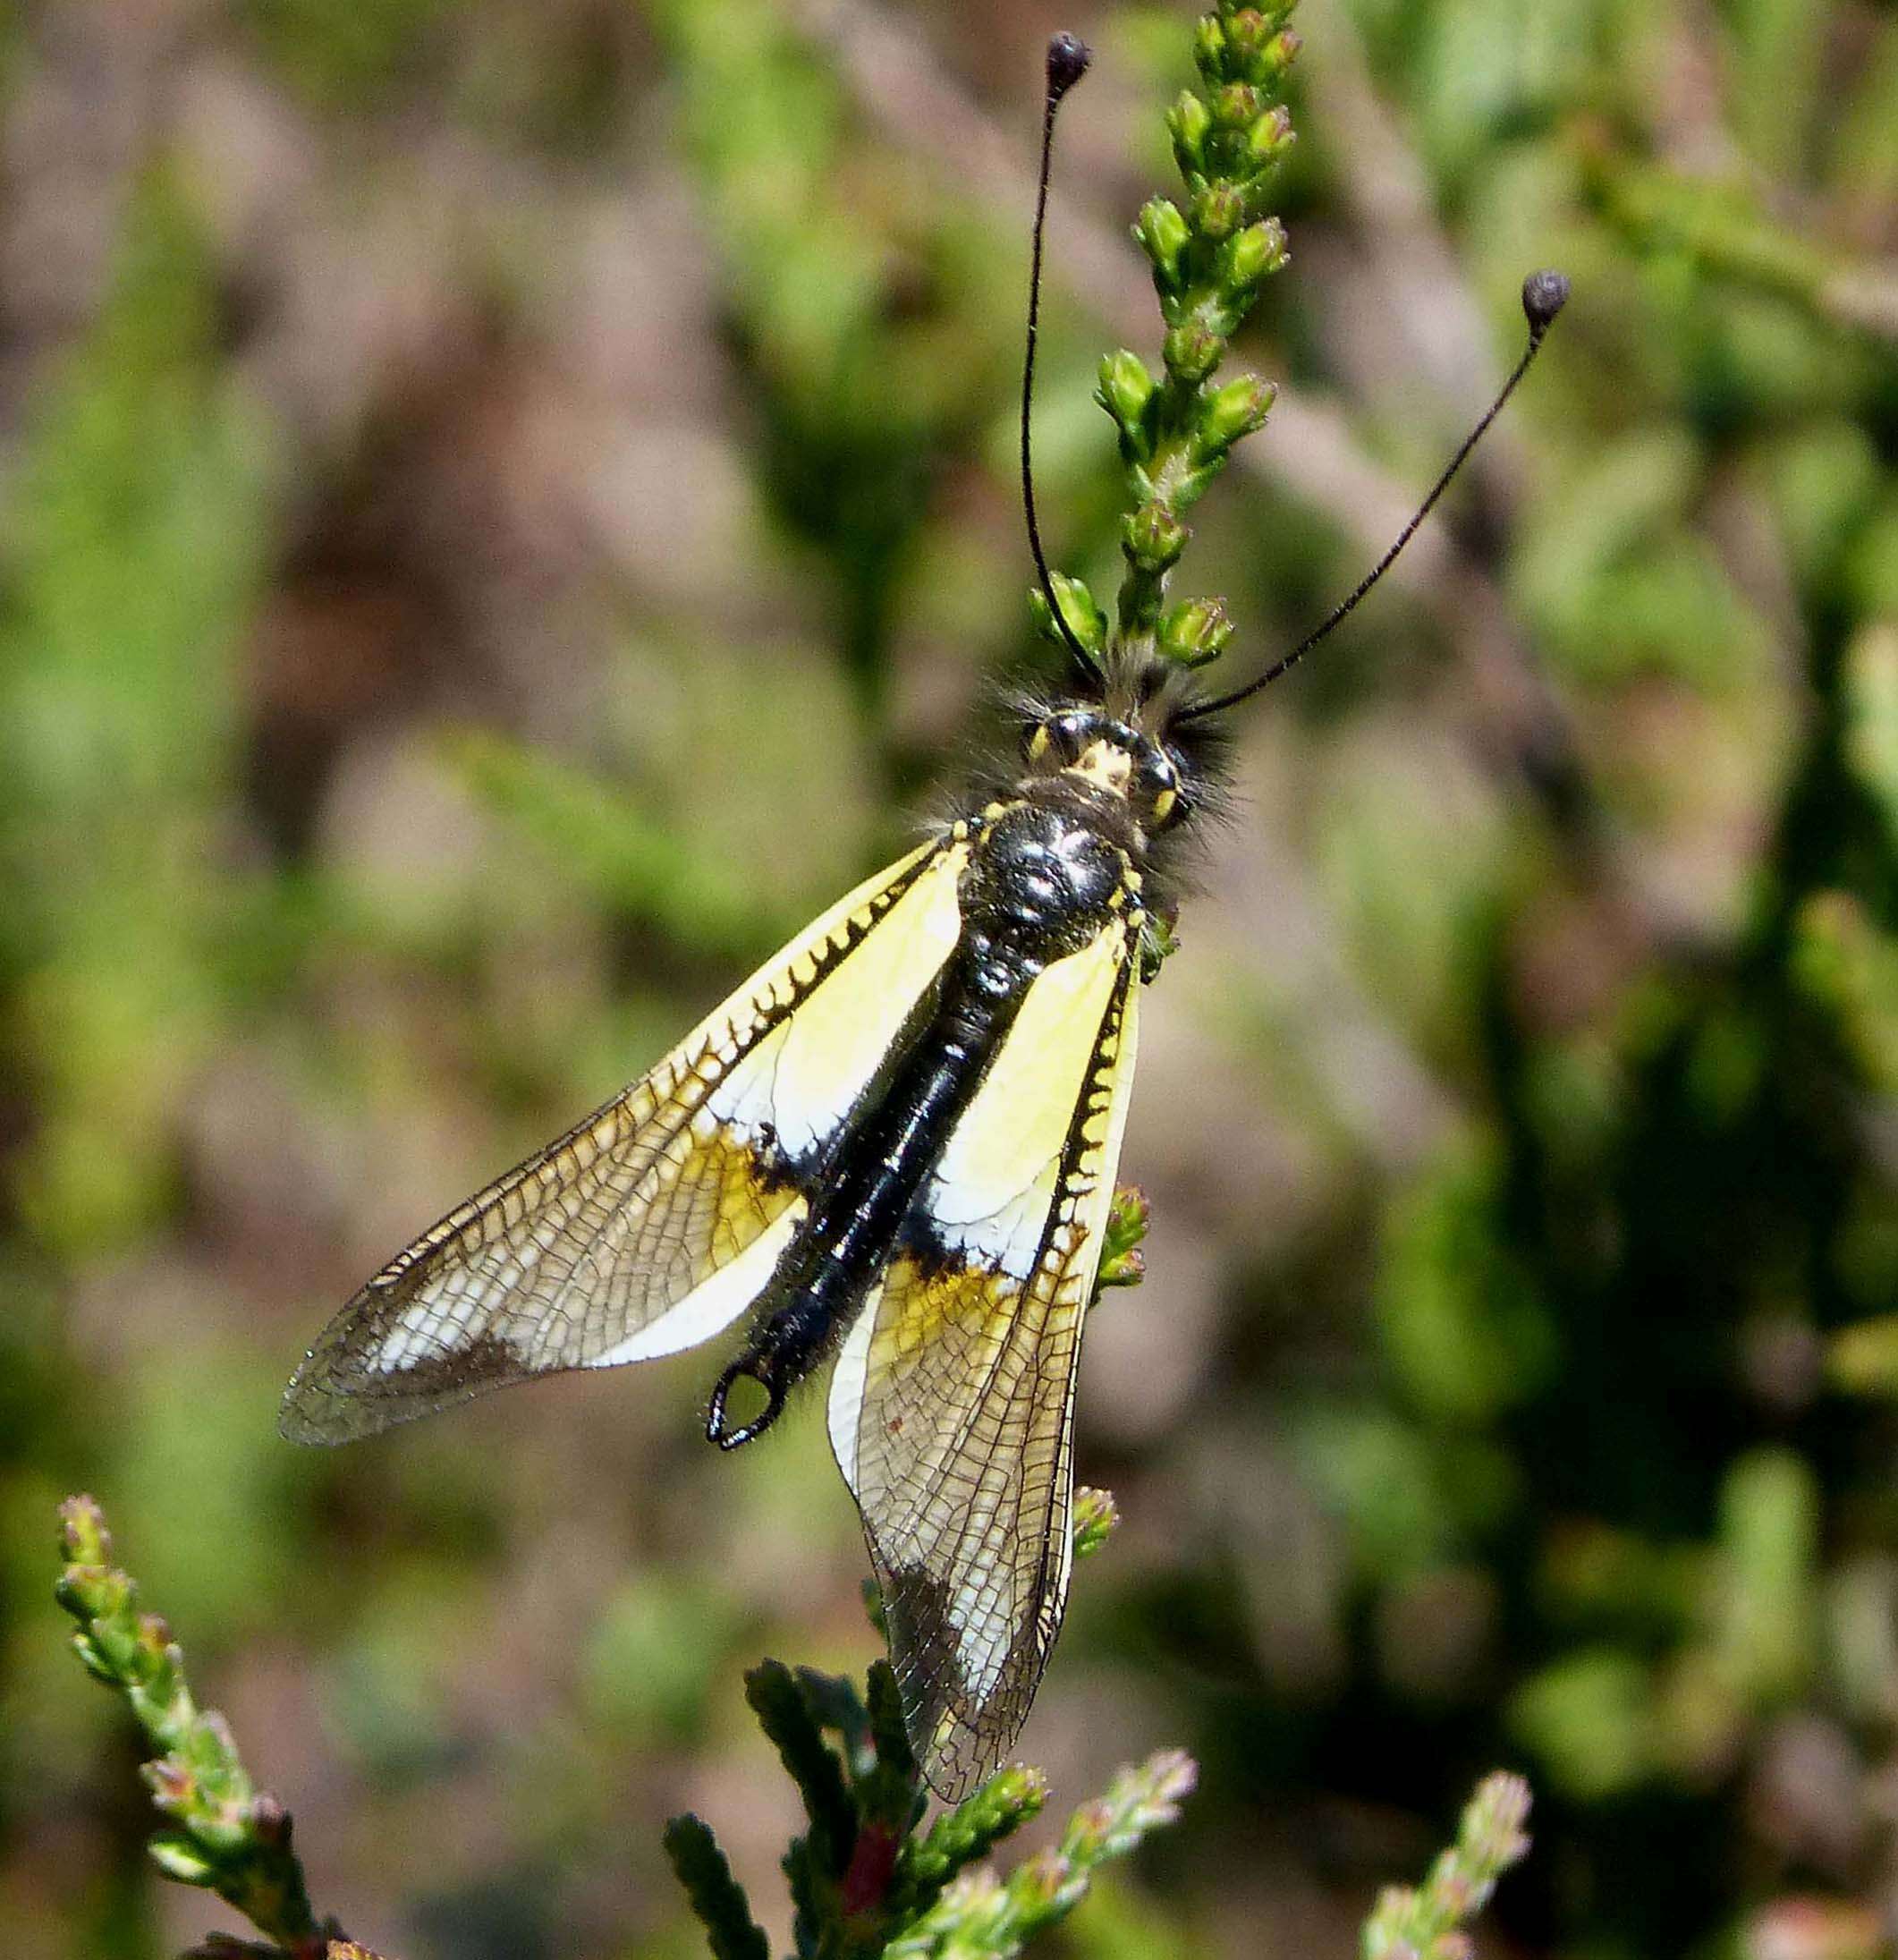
1425	1922
1210	254
1121	1262
982	1914
865	1878
225	1834
859	1873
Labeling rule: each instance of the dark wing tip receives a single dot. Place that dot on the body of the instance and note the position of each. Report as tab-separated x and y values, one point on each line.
314	1414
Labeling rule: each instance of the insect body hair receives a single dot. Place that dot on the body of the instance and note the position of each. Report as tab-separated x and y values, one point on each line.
1146	697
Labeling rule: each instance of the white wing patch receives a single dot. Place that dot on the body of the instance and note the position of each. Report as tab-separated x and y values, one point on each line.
993	1186
803	1078
715	1304
844	1406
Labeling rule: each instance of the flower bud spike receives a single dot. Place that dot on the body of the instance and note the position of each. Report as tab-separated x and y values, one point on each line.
1067	62
1543	296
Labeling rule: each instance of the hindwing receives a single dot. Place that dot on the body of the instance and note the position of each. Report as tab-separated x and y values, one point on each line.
657	1220
951	1404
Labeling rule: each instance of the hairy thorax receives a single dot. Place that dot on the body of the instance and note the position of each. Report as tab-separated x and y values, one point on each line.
1050	869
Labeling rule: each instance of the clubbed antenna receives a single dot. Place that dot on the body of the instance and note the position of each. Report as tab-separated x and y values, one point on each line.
1544	295
1067	62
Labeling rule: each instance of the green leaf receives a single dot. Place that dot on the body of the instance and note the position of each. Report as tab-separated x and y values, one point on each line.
179	1858
717	1896
784	1712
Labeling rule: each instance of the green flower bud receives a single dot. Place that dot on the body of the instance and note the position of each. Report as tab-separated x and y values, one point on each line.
1095	1517
1193	634
1228	413
92	1660
176	1856
97	1591
173	1787
83	1538
1125	390
1153	538
1209	48
1190	485
1090	1831
1237	105
1193	350
1261	47
1218	211
1257	251
1035	1885
1247	32
1493	1824
1190	123
1271	17
1163	234
1015	1791
222	1833
1085	618
1272	135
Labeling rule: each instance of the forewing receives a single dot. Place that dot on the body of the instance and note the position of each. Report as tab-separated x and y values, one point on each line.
657	1220
952	1405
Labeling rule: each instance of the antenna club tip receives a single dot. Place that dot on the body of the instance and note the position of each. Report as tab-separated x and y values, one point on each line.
1068	59
1544	295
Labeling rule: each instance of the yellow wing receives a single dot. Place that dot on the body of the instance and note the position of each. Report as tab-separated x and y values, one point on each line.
952	1405
655	1221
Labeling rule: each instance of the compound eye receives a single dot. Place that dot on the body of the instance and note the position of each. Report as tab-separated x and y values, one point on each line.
1160	789
1060	738
1070	734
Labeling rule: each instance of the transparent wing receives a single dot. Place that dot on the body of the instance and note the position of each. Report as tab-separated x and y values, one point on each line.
654	1221
951	1404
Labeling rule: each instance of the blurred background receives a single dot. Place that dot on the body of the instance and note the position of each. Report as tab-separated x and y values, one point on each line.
508	508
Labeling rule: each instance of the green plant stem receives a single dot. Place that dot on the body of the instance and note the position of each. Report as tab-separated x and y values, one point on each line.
227	1836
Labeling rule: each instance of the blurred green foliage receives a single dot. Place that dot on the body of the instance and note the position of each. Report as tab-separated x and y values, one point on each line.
132	560
465	464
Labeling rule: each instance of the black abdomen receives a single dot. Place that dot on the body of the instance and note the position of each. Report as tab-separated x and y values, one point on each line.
1039	885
